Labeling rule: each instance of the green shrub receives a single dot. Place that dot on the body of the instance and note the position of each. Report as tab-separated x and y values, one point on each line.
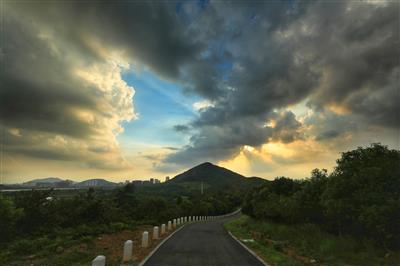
361	197
9	216
23	246
116	227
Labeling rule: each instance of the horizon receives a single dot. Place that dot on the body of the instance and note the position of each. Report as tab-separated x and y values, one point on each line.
161	179
133	91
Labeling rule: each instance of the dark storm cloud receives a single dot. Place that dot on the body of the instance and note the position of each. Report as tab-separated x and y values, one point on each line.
326	125
47	154
38	89
251	61
171	148
42	107
262	78
149	31
287	128
329	134
359	49
342	55
50	147
215	142
47	44
182	128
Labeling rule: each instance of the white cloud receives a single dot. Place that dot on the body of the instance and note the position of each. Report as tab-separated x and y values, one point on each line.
202	105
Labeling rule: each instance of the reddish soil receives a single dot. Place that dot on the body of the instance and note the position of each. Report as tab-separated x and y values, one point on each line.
113	243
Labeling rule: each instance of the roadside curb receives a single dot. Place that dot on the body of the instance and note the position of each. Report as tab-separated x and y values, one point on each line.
159	245
248	249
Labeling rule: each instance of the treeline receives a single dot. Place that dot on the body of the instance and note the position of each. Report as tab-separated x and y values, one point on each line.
361	197
38	213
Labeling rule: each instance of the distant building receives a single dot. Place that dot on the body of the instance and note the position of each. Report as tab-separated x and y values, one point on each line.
157	181
137	182
166	178
146	182
152	180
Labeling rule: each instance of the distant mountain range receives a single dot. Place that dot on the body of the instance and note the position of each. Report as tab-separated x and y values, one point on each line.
58	182
205	174
47	180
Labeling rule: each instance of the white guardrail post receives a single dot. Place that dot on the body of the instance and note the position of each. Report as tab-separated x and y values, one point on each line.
128	247
169	226
99	261
162	229
145	239
155	232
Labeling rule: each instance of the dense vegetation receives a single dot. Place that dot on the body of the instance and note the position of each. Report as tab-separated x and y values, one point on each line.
31	220
286	244
361	197
359	202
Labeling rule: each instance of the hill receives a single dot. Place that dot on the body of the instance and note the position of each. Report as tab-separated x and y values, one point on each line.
215	176
47	180
96	183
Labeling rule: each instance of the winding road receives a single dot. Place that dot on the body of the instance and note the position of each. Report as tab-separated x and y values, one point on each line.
202	243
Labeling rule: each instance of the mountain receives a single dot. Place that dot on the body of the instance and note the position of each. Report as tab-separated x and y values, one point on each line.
207	172
47	180
214	176
95	183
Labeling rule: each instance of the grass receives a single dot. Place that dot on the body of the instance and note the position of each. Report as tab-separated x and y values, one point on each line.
280	244
269	254
77	246
43	251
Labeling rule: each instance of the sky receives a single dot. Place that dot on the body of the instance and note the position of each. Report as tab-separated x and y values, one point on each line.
127	90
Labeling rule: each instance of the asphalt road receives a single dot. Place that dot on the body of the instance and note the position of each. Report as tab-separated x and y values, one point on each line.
202	243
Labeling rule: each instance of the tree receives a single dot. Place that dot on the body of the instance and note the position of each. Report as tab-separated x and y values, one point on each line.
308	200
284	186
36	210
125	196
363	194
9	215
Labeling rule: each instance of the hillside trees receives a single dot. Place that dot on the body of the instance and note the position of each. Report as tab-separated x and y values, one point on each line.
361	197
363	194
9	215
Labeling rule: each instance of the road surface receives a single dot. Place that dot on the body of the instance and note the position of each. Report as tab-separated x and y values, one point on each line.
202	243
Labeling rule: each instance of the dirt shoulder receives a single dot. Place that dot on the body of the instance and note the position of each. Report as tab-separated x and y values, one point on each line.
83	251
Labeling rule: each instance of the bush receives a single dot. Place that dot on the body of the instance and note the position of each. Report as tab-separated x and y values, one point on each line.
30	214
363	194
9	215
22	247
116	227
361	197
